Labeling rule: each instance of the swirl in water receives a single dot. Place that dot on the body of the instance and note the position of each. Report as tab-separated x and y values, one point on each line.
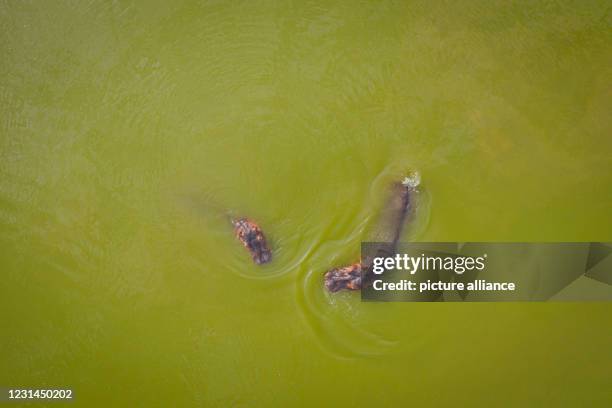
342	324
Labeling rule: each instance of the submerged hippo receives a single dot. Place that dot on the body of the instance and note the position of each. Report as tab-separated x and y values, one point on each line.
346	277
253	239
389	232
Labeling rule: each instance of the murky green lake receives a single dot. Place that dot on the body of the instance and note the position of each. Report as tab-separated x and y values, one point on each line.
130	129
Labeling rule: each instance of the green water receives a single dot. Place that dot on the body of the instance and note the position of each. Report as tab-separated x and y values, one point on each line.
128	129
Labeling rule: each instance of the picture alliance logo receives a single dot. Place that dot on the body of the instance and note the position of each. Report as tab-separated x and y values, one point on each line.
423	262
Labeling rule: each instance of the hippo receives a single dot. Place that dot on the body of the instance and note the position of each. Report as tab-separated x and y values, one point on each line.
253	239
346	277
388	234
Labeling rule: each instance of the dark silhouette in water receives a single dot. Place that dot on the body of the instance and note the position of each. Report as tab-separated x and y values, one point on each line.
388	233
253	239
246	230
346	277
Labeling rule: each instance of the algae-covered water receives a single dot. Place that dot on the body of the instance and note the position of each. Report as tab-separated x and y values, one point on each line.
131	130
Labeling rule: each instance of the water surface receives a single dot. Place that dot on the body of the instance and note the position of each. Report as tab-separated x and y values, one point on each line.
130	129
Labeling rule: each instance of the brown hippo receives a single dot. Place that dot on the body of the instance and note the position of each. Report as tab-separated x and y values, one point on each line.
253	239
388	234
346	277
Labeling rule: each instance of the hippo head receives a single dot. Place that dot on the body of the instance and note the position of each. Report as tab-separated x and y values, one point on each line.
252	237
256	243
347	277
